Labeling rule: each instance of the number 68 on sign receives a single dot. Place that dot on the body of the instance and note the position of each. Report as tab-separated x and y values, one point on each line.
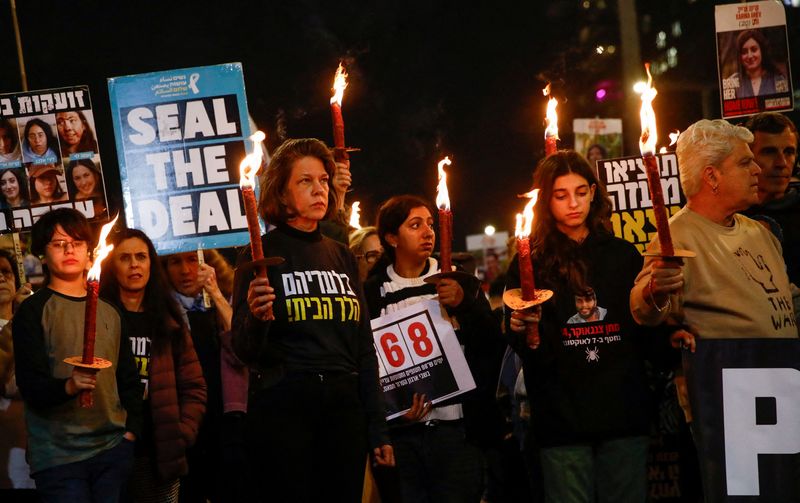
406	343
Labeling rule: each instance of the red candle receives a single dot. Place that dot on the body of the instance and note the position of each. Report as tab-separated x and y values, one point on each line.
526	269
89	331
445	218
339	84
523	232
659	208
251	212
90	313
247	174
445	239
647	145
551	122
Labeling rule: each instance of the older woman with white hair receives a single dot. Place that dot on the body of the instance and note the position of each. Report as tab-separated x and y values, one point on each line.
737	285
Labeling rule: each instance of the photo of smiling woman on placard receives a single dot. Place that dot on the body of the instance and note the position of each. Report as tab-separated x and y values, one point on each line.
753	62
85	181
13	189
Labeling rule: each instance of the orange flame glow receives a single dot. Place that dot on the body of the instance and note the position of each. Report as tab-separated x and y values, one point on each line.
551	117
525	219
442	196
647	142
355	215
673	137
101	251
339	85
251	162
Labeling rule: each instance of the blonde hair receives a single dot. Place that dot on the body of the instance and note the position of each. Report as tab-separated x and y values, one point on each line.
358	236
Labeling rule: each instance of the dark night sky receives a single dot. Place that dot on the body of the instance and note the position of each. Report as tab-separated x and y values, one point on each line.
427	79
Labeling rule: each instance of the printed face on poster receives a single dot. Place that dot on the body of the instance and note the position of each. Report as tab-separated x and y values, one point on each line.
180	138
49	157
598	139
418	352
625	180
753	58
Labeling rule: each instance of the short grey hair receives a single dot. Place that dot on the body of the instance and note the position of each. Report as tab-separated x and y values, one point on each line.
704	143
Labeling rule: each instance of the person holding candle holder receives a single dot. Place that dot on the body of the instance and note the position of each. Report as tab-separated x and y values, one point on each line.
739	267
586	377
438	449
315	407
175	391
76	453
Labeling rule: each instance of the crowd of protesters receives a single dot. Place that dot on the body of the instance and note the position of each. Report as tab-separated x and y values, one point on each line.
220	390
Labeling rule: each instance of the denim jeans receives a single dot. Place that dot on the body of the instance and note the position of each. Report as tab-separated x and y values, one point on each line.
436	464
97	479
610	471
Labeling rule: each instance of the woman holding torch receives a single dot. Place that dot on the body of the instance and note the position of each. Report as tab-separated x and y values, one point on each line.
585	378
315	406
437	448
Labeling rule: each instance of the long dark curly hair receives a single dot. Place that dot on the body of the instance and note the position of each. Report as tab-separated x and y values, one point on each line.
556	254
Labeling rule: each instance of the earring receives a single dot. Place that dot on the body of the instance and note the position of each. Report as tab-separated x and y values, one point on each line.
715	189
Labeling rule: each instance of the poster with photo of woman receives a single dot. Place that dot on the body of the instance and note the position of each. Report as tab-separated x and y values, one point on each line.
49	157
753	58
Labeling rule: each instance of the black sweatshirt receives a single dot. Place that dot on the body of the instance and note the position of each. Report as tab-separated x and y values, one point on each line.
586	381
321	321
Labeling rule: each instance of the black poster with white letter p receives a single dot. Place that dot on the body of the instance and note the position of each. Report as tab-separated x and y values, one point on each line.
745	398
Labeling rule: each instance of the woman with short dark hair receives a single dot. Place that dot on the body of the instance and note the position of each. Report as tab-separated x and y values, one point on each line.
315	405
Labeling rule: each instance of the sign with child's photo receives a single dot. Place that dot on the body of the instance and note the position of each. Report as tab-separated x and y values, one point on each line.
418	352
49	157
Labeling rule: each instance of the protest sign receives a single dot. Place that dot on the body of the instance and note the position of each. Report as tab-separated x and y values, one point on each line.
180	138
753	58
745	398
418	352
49	157
598	138
625	180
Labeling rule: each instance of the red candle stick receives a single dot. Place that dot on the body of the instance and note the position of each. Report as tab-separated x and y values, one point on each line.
647	146
551	121
339	84
445	219
90	313
247	174
523	232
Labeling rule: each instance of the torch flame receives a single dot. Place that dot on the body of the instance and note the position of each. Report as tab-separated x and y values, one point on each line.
673	137
647	142
101	251
251	162
442	196
525	219
355	215
551	118
339	84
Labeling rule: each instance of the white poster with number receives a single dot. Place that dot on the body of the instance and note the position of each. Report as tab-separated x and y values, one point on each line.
418	352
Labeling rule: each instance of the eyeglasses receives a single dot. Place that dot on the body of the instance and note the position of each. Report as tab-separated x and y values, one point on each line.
371	256
62	244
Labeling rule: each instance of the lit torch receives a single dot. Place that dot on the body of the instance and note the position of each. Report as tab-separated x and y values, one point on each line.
87	361
551	120
522	233
445	218
647	146
355	215
339	84
247	174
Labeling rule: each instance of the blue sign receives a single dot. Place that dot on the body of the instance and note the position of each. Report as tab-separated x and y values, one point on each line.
180	138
